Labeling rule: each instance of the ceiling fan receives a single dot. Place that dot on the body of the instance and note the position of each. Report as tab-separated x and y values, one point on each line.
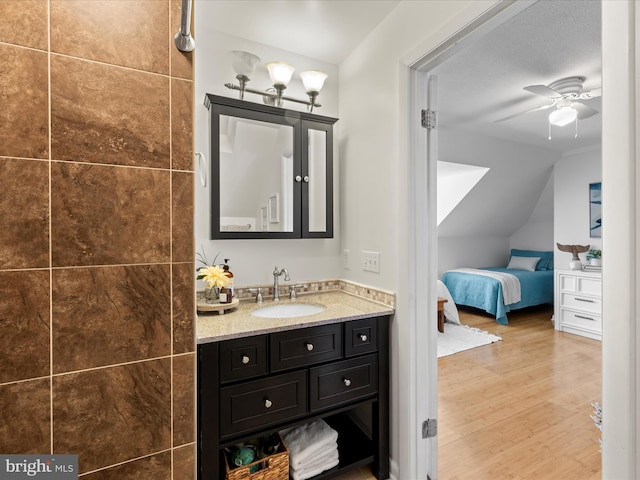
566	97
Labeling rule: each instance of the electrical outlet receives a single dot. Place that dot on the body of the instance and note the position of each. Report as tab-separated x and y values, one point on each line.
371	261
346	259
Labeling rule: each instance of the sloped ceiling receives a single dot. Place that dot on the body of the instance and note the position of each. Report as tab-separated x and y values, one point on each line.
484	82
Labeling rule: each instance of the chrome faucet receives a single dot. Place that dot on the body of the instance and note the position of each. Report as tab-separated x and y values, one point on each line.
276	276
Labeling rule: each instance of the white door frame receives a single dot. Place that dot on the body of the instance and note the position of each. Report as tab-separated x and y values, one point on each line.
621	167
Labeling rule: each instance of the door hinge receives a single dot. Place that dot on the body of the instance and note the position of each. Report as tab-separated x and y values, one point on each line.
429	119
429	428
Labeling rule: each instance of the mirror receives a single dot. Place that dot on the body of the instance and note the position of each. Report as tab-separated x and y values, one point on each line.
256	165
271	171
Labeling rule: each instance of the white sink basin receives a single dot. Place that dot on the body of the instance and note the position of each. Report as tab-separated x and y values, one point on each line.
287	310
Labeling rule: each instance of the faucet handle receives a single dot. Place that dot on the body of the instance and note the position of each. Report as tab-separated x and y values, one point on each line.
292	291
259	298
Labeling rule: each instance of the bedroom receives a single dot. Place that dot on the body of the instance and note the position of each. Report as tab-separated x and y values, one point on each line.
535	191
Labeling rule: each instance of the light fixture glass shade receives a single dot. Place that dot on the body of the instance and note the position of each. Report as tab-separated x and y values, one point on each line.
243	62
313	80
280	73
563	116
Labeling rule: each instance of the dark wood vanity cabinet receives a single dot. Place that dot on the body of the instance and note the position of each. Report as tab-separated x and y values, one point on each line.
257	385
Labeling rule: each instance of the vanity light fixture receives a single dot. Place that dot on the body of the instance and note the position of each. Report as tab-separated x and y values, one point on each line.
280	73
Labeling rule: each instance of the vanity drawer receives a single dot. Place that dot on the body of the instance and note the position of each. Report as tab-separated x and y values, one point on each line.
342	382
306	346
360	336
243	358
258	403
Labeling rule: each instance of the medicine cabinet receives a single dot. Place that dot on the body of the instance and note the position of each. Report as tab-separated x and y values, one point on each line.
271	171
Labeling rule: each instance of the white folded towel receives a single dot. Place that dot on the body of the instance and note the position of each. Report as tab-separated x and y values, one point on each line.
306	440
316	467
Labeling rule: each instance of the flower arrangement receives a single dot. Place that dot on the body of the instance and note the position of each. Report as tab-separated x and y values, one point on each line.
214	275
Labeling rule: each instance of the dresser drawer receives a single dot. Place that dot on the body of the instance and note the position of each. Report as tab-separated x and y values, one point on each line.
360	336
584	321
243	358
250	405
580	302
342	382
306	346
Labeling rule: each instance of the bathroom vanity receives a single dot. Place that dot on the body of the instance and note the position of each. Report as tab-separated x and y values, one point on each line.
257	376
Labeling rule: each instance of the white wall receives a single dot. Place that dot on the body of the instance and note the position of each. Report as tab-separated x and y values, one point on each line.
621	230
510	207
252	261
472	252
374	151
537	233
572	175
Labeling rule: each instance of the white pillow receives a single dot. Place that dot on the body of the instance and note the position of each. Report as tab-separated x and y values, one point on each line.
523	263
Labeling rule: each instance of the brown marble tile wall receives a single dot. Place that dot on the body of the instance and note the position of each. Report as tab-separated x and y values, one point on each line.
125	411
24	120
97	307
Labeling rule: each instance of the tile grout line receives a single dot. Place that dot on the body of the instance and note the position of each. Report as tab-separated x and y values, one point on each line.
51	446
171	268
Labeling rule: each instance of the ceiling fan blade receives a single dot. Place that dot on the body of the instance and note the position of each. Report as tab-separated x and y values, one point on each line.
596	92
543	91
543	107
584	111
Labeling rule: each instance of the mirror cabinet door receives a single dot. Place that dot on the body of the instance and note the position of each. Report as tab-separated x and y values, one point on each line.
317	193
256	168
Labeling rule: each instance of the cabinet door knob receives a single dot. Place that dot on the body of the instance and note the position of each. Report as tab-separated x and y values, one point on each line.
306	179
346	382
363	337
268	403
245	359
309	346
298	178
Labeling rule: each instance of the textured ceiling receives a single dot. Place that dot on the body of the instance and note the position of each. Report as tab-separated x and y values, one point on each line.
548	41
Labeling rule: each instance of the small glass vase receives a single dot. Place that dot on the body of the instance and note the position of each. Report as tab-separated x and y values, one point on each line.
211	294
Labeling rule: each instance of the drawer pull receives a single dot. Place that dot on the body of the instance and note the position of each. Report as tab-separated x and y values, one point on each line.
268	403
584	300
346	382
363	337
309	346
245	359
584	318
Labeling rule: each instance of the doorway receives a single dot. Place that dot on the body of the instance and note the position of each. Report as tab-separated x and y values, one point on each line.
432	63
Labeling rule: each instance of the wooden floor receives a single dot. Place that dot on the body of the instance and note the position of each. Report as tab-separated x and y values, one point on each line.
518	409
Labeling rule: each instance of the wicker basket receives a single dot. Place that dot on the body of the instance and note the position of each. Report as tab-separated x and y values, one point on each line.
276	467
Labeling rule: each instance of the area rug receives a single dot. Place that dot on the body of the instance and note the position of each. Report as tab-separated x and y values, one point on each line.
457	338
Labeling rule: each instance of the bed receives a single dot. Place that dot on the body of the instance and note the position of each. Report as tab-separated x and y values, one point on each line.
524	282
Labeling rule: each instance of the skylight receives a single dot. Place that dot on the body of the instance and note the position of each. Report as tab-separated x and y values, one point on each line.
455	181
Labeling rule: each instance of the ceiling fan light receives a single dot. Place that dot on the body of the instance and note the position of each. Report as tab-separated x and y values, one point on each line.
563	116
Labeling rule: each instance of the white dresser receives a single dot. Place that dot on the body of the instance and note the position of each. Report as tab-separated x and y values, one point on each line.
578	303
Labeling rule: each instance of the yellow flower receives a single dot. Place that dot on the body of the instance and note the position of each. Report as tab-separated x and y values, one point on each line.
214	276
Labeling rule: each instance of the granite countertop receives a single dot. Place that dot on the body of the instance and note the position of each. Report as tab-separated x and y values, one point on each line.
239	322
